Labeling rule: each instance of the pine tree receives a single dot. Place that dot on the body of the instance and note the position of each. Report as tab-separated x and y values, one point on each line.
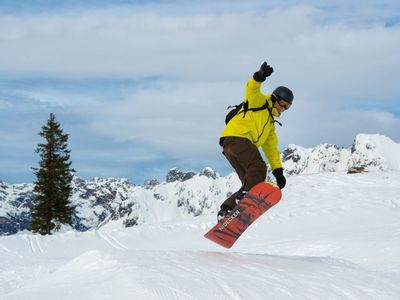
53	181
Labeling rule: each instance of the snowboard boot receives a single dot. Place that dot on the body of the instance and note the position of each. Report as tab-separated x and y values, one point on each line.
225	210
239	196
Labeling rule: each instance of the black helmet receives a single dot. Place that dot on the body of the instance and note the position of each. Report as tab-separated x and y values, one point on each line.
282	92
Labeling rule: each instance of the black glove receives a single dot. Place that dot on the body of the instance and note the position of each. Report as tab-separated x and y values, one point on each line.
280	179
263	73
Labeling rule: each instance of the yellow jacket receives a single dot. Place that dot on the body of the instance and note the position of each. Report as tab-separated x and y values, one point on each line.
257	126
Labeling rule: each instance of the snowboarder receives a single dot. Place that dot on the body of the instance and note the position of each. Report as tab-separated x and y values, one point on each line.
253	126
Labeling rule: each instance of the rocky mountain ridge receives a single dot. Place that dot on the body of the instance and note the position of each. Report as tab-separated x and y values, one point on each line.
187	193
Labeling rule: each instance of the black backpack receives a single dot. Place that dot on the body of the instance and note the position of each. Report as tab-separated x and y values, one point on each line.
245	105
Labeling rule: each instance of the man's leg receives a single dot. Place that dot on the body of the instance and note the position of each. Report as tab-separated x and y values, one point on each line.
247	162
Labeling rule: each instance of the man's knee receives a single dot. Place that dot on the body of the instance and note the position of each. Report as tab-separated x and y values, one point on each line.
256	173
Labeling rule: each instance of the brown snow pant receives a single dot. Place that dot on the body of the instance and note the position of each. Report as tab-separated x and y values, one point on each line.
247	161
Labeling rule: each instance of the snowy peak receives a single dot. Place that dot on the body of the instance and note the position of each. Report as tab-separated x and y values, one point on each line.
176	175
373	152
209	173
323	158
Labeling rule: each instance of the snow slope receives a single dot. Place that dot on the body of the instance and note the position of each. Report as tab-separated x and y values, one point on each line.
333	236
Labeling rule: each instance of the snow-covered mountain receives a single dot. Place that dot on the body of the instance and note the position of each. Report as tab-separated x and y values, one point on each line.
187	193
372	152
103	199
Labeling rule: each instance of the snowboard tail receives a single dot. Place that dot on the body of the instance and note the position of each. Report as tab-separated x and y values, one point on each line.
256	202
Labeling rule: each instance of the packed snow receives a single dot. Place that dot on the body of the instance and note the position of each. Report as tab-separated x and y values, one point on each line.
332	236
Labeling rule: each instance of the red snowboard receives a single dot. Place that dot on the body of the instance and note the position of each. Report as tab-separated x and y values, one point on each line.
257	201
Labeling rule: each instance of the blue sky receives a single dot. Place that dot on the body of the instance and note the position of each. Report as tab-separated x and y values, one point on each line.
143	86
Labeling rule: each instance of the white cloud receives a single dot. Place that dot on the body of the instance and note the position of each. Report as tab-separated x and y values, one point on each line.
305	53
310	125
179	118
200	63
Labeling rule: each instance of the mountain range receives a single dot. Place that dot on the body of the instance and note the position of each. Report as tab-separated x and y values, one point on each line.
188	194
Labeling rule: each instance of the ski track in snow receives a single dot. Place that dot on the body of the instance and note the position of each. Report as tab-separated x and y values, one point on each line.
112	241
331	237
34	244
4	248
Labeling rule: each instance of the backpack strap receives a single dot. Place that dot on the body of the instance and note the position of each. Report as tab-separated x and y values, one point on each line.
246	107
265	106
237	109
